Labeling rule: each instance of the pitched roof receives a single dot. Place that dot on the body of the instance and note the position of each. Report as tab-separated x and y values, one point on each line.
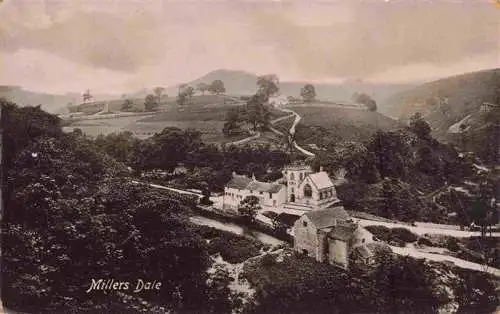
343	232
321	180
288	219
369	249
324	218
255	185
239	182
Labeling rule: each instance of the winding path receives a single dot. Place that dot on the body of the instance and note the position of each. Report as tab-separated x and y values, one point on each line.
292	130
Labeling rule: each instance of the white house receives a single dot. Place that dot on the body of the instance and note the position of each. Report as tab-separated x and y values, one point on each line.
299	186
240	186
278	101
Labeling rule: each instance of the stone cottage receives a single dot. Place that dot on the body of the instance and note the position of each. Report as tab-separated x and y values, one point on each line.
329	235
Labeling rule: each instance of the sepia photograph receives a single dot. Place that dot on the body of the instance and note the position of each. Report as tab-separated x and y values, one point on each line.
250	156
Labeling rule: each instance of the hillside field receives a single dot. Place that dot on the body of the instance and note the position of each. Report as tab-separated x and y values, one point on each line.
208	119
167	102
340	124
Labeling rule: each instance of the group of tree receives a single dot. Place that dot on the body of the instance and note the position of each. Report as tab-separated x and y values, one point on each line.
255	112
153	101
366	100
205	162
73	211
401	167
396	284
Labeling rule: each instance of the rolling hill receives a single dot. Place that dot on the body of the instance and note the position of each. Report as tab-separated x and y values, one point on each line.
244	83
446	101
322	124
50	103
463	110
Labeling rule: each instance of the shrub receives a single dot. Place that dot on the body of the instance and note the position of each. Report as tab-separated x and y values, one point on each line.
270	214
268	260
425	241
395	235
403	235
452	244
234	248
381	232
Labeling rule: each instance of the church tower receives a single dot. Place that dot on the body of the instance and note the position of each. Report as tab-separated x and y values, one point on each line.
294	174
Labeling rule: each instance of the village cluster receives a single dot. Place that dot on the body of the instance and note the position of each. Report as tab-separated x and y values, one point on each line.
324	231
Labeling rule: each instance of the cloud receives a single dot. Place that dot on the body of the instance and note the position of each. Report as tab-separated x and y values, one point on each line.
376	37
166	42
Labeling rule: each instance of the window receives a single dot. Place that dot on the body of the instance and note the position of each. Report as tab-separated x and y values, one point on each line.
270	195
304	223
292	176
304	252
301	176
274	203
307	190
293	191
251	192
363	241
261	192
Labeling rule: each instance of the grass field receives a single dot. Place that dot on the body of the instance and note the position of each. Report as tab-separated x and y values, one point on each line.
339	123
138	103
206	114
211	130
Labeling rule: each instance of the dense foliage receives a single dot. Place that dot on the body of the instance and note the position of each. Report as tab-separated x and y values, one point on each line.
73	215
207	164
298	284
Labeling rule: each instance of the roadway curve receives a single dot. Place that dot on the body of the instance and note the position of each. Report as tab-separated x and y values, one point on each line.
292	130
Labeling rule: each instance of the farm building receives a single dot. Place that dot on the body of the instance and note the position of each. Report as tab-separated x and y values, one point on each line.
329	235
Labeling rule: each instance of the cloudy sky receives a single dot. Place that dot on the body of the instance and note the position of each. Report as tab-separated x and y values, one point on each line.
120	46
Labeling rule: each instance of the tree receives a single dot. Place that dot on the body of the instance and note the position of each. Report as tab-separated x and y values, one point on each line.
249	207
268	85
127	105
404	284
232	120
150	103
256	113
158	91
182	99
364	99
189	91
390	151
217	87
308	93
419	126
202	88
87	96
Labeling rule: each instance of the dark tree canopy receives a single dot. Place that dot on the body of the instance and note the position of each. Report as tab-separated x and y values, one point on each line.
217	87
419	126
268	85
308	93
362	98
150	103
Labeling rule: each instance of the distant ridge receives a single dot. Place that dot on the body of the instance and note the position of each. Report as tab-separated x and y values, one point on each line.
49	102
245	83
465	93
